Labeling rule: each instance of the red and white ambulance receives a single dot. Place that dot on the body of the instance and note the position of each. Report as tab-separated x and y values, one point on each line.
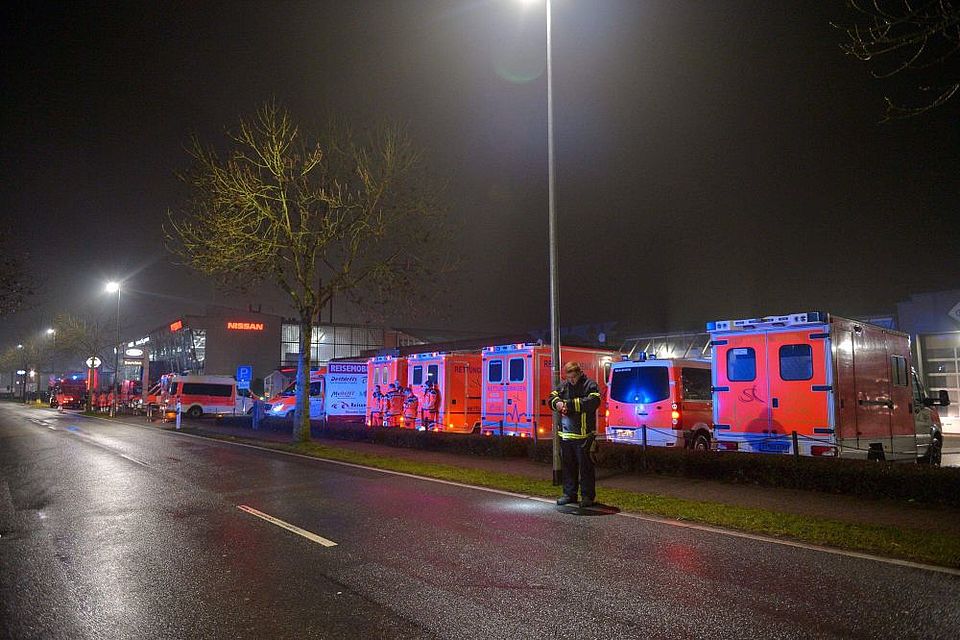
200	395
285	403
381	372
845	387
666	402
518	379
457	376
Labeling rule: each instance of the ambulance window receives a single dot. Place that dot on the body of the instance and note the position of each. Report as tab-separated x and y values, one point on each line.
516	369
433	372
383	375
696	383
741	364
495	371
796	362
315	388
898	371
417	375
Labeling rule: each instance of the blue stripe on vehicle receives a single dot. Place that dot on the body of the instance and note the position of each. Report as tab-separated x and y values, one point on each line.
721	426
717	343
815	336
822	387
720	388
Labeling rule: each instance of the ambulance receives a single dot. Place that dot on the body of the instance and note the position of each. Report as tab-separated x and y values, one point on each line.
457	376
284	404
383	370
518	379
845	387
199	395
669	399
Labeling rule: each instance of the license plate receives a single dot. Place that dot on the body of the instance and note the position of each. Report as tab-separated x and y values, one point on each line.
775	447
624	433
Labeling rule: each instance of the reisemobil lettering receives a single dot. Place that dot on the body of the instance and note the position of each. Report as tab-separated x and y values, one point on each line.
347	367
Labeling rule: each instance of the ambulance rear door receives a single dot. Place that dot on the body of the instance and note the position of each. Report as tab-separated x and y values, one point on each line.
740	385
798	362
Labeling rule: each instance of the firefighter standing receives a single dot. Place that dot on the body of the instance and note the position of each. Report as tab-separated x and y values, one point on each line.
431	405
394	408
411	407
577	399
376	412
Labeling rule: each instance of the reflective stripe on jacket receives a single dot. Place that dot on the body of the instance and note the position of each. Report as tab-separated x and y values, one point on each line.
582	400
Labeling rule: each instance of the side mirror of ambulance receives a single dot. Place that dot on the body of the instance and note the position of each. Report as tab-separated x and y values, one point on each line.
944	398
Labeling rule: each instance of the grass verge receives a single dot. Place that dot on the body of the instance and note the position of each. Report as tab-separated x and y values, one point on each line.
882	540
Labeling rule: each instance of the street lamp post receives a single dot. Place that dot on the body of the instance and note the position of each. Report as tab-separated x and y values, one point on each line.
111	287
554	260
554	273
22	374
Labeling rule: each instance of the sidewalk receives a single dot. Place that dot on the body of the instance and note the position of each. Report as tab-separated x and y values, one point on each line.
836	507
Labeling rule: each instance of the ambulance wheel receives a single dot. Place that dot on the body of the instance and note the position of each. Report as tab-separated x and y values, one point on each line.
934	453
194	412
701	442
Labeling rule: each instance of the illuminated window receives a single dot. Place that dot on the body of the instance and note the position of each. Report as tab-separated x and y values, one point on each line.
741	364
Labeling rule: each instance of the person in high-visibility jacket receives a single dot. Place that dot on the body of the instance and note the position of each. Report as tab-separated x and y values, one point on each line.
577	399
431	405
411	407
394	406
376	411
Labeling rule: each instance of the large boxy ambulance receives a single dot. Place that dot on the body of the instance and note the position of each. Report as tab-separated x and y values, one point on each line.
845	387
517	380
457	376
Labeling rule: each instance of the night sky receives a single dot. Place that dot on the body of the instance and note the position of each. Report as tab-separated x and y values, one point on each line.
716	159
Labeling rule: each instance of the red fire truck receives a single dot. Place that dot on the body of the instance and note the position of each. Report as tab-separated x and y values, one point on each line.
845	387
70	391
517	380
457	376
661	402
383	370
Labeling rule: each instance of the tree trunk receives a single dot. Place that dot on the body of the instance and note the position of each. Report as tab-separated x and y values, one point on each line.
301	425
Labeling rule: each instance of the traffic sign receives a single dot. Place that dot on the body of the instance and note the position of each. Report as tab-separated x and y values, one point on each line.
955	312
244	376
93	362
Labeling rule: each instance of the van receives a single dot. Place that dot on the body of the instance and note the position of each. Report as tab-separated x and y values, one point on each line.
284	404
664	403
200	395
816	384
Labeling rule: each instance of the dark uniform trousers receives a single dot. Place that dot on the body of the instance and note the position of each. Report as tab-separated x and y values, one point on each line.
578	472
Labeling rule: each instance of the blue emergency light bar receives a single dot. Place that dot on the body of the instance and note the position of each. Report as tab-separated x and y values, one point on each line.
793	319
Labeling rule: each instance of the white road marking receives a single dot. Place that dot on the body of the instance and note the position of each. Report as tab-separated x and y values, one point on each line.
132	459
286	525
635	516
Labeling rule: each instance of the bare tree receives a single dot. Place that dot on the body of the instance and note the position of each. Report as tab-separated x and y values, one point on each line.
340	213
908	38
82	338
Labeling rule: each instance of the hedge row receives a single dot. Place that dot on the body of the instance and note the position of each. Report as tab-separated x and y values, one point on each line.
900	481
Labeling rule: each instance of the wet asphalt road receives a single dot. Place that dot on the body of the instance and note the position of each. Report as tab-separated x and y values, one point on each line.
114	531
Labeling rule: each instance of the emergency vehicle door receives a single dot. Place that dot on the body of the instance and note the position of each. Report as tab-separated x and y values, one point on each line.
741	386
316	399
799	388
845	388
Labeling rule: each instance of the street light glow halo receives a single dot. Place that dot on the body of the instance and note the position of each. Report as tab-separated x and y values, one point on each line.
113	286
